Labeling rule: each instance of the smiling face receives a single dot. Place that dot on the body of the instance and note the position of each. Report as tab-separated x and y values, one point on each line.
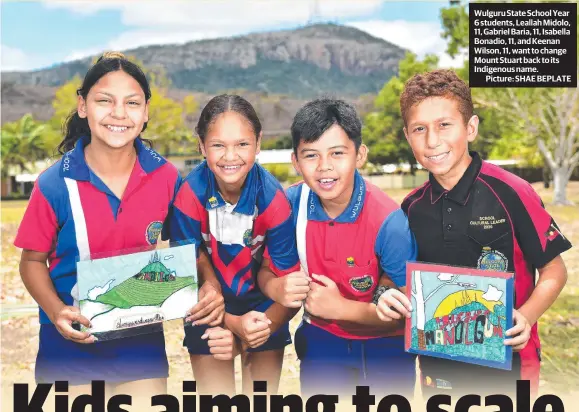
230	147
439	137
115	109
328	165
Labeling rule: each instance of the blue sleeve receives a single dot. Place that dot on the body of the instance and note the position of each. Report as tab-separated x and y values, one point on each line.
395	245
184	220
166	231
280	240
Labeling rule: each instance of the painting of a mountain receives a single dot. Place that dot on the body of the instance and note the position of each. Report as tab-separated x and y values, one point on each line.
460	314
145	288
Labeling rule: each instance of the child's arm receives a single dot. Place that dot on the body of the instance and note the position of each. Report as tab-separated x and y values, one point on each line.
325	301
184	226
542	243
36	279
210	310
289	290
552	279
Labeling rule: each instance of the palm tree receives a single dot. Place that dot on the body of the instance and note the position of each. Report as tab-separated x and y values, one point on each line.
23	143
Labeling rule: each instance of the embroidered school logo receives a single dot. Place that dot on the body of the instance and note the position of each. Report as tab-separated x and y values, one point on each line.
492	260
153	231
213	201
553	232
247	239
350	262
362	283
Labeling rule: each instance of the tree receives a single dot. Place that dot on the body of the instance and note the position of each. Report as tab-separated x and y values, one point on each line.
23	144
383	127
530	120
418	295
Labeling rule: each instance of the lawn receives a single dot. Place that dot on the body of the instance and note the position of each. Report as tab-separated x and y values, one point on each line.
559	327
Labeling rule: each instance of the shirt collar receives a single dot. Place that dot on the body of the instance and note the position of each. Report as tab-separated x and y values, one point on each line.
248	199
74	163
461	191
352	211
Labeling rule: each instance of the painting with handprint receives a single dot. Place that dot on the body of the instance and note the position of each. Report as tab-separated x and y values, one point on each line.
134	293
460	314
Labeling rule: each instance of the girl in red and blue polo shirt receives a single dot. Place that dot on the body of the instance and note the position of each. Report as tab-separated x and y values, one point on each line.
110	192
238	215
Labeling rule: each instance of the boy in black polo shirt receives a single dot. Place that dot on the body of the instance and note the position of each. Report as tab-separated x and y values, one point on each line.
474	214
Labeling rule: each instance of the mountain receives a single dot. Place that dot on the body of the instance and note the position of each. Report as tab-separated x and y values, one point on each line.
302	63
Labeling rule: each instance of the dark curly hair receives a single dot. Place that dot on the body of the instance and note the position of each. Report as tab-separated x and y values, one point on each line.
437	83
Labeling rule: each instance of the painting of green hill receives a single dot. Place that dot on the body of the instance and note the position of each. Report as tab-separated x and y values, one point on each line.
136	292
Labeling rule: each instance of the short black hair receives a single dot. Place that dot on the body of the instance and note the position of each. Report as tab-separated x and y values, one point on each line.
317	116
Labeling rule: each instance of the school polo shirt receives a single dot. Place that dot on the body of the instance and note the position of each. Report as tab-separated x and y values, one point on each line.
236	236
113	225
369	238
491	220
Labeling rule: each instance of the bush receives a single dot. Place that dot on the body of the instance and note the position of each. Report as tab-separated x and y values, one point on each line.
279	171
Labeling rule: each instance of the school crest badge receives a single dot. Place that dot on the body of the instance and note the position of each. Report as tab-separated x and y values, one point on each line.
153	231
362	283
213	201
492	260
350	262
247	239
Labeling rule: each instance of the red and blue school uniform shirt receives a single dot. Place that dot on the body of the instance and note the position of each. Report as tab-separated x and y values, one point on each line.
370	238
72	215
490	220
237	236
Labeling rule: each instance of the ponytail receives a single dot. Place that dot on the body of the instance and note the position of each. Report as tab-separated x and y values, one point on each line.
73	129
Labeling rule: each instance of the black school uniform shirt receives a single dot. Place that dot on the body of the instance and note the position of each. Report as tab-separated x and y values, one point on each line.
491	220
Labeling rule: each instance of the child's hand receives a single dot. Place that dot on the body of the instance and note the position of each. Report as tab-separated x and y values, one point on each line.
521	332
221	343
63	322
210	309
255	329
392	305
292	289
324	301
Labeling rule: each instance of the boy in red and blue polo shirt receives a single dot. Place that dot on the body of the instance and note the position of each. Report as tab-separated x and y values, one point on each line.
107	226
474	214
351	237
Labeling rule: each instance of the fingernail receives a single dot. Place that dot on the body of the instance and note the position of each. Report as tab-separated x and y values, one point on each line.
204	336
193	323
95	338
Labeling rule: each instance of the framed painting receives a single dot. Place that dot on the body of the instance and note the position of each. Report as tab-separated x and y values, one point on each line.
134	293
460	314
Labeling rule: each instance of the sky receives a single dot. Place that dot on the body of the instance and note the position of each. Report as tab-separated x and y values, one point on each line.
44	33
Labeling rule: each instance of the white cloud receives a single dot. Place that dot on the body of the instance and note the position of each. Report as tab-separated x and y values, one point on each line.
14	59
419	37
178	22
205	15
445	277
492	294
97	290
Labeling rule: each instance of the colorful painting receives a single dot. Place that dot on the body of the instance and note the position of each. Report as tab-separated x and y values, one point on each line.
459	314
120	295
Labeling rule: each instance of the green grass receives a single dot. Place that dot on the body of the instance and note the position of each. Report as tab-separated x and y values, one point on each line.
13	210
134	292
